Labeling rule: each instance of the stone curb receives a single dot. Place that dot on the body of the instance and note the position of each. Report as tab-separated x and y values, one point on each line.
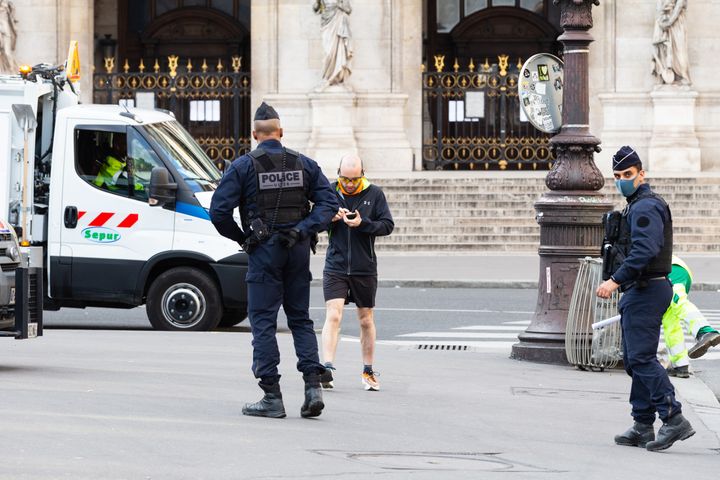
702	400
526	284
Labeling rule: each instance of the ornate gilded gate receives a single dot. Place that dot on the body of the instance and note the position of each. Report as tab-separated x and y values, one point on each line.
211	102
472	120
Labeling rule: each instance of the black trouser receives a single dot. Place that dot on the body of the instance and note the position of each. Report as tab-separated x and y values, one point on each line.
278	275
642	310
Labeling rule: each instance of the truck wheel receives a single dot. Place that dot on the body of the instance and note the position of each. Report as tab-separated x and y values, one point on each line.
184	298
232	317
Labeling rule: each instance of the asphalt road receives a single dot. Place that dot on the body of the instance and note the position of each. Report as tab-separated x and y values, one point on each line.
102	396
400	311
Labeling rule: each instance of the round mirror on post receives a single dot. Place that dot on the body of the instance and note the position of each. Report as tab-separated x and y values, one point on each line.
540	87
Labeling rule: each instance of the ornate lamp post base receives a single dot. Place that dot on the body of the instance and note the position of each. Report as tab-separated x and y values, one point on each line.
570	228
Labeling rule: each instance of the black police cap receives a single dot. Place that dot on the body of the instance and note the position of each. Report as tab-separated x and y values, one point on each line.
625	158
266	112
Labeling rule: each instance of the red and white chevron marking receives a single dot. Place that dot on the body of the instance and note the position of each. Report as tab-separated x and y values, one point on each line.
103	218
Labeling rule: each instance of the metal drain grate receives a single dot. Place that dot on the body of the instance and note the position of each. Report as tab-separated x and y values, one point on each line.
426	346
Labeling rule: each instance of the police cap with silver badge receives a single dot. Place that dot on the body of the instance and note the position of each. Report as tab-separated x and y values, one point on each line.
625	158
265	112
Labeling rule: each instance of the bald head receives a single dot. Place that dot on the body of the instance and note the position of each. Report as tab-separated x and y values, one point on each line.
350	166
267	130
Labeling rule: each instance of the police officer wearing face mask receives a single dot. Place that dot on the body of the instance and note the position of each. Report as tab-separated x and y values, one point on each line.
637	257
273	187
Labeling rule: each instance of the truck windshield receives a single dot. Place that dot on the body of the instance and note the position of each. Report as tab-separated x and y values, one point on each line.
187	157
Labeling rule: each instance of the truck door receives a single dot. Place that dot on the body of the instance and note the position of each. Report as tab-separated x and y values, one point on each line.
108	226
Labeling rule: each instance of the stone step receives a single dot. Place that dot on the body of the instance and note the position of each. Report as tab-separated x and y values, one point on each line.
455	212
496	214
457	221
608	189
529	212
489	202
480	193
525	247
710	234
446	247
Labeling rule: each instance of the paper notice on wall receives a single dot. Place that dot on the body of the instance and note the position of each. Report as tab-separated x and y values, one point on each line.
548	280
475	104
145	100
523	117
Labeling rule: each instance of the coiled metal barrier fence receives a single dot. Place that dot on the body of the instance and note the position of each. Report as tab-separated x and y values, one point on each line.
587	348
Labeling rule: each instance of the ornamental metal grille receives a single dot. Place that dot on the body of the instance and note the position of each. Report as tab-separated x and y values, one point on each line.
211	102
472	120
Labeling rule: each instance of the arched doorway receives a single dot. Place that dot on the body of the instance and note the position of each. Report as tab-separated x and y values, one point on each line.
473	52
191	57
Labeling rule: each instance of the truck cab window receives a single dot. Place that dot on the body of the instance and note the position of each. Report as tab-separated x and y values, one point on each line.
117	162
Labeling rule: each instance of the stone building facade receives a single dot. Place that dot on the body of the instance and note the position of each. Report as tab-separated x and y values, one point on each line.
383	112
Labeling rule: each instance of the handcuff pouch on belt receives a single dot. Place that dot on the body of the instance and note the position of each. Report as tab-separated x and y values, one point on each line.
259	232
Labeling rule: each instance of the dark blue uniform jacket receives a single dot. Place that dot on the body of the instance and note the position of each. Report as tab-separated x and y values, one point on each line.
647	219
352	250
239	185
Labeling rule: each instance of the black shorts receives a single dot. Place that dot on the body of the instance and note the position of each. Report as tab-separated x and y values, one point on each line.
358	289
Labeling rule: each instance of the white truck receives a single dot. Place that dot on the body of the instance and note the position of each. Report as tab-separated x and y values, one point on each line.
112	203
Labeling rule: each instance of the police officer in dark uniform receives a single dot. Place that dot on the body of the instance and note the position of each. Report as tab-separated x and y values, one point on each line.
273	187
637	257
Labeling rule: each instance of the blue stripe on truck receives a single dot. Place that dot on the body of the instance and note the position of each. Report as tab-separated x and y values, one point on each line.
192	210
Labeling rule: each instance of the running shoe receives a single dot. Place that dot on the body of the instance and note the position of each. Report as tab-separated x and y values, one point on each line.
370	382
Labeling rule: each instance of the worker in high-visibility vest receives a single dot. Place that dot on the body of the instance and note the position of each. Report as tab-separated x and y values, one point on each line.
683	312
115	165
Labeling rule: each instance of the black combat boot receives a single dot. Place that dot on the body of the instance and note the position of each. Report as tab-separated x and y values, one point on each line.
704	342
313	405
636	436
271	405
679	372
677	428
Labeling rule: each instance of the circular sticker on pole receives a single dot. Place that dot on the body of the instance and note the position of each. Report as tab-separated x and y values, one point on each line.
540	87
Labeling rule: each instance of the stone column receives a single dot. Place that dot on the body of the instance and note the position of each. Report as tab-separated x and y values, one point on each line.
570	214
333	126
674	146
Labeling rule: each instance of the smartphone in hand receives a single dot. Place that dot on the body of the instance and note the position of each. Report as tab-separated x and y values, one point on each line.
351	215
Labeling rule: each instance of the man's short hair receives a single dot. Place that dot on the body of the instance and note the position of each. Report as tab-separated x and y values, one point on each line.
266	127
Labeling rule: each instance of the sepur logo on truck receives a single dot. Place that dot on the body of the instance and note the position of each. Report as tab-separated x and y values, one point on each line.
100	235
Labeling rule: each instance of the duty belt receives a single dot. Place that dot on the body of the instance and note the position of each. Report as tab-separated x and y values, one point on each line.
641	283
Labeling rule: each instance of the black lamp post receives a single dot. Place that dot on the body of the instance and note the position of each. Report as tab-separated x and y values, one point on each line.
570	213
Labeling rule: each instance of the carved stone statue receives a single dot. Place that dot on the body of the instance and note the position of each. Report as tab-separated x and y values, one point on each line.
671	65
8	37
336	39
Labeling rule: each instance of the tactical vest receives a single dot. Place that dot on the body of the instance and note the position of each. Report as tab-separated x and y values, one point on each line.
661	264
282	189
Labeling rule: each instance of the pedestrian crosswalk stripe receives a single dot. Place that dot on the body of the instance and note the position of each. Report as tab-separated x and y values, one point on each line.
518	328
448	310
487	335
489	345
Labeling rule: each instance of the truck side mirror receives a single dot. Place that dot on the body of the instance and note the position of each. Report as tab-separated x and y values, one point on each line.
161	190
